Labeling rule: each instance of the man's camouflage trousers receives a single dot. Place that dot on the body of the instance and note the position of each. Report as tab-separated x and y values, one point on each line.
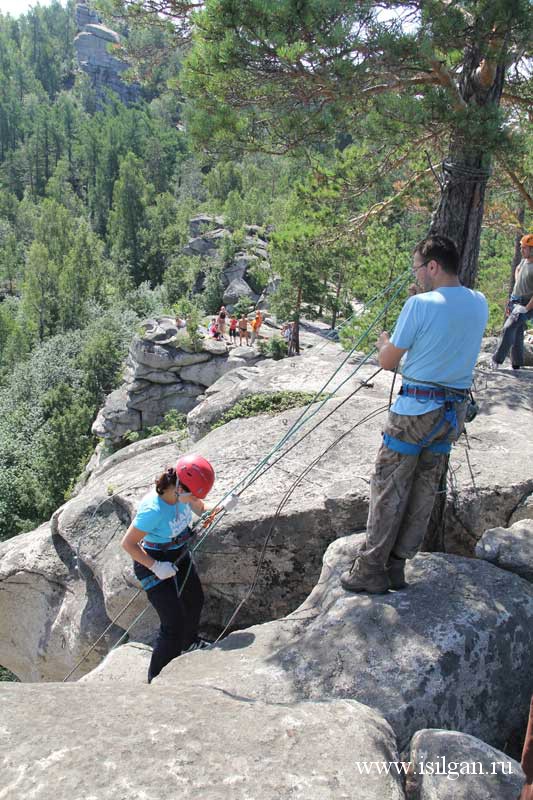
403	487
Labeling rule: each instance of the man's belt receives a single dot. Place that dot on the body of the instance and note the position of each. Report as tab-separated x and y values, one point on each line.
438	394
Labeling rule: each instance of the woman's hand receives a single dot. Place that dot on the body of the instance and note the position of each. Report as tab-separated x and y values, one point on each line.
211	516
163	570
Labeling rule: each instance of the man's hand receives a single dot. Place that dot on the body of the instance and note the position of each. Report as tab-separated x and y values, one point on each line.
382	340
389	355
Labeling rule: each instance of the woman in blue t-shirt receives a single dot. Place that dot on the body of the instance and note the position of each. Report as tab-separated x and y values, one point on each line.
157	540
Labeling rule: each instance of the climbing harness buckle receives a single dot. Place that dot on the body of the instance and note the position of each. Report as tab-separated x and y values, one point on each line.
472	409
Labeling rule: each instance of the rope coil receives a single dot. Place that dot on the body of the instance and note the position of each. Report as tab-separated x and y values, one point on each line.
456	172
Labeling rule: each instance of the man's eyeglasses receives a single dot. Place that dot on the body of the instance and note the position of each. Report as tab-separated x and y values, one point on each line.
414	270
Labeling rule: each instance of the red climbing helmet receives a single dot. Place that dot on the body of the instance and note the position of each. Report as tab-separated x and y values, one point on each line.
196	473
527	240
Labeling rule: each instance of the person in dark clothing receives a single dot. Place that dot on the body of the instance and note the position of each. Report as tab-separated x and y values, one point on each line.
158	540
519	310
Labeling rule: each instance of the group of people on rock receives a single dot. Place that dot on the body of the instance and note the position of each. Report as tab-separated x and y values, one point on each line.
217	327
437	338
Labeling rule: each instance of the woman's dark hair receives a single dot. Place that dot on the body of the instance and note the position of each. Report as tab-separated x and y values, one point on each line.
166	479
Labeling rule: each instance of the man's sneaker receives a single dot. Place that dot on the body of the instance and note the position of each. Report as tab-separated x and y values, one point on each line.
494	364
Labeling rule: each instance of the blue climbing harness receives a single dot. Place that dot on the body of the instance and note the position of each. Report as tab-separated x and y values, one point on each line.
449	399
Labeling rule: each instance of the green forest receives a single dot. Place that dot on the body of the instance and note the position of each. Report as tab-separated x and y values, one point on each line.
336	127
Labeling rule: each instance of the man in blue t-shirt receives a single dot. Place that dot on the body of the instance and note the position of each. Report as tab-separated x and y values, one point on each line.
440	332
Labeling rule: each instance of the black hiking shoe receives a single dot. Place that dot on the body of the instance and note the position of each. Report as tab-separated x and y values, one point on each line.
198	644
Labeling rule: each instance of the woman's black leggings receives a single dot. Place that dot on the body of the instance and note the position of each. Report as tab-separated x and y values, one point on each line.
179	613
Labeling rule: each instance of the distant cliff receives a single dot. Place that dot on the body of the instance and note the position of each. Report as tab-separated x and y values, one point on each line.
93	47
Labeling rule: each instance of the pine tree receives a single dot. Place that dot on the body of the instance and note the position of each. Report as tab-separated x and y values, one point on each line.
128	217
287	74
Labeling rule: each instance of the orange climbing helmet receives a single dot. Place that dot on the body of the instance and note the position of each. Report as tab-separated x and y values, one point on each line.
196	473
527	240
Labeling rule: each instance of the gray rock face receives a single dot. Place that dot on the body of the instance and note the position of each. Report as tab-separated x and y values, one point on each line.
237	288
308	373
509	548
163	357
203	222
93	53
332	500
85	15
208	233
127	663
448	652
489	480
116	418
111	743
523	511
453	766
238	267
163	373
207	244
48	619
206	374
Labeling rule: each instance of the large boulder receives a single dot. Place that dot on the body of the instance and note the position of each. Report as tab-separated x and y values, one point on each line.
237	288
448	652
127	662
142	742
50	616
116	418
206	374
204	222
167	358
207	244
448	765
509	548
308	373
332	501
156	380
238	267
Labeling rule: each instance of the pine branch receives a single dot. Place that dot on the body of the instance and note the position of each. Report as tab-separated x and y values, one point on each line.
515	180
356	223
420	80
445	78
515	99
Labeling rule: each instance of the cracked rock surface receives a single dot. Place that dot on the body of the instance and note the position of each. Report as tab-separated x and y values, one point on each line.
110	745
331	501
448	652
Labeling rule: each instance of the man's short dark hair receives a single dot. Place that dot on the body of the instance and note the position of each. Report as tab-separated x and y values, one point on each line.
441	249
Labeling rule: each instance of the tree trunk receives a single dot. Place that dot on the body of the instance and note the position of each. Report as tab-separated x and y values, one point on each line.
521	216
467	169
296	329
336	304
324	292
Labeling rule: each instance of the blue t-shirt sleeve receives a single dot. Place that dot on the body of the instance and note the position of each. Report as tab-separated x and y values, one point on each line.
407	326
146	519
